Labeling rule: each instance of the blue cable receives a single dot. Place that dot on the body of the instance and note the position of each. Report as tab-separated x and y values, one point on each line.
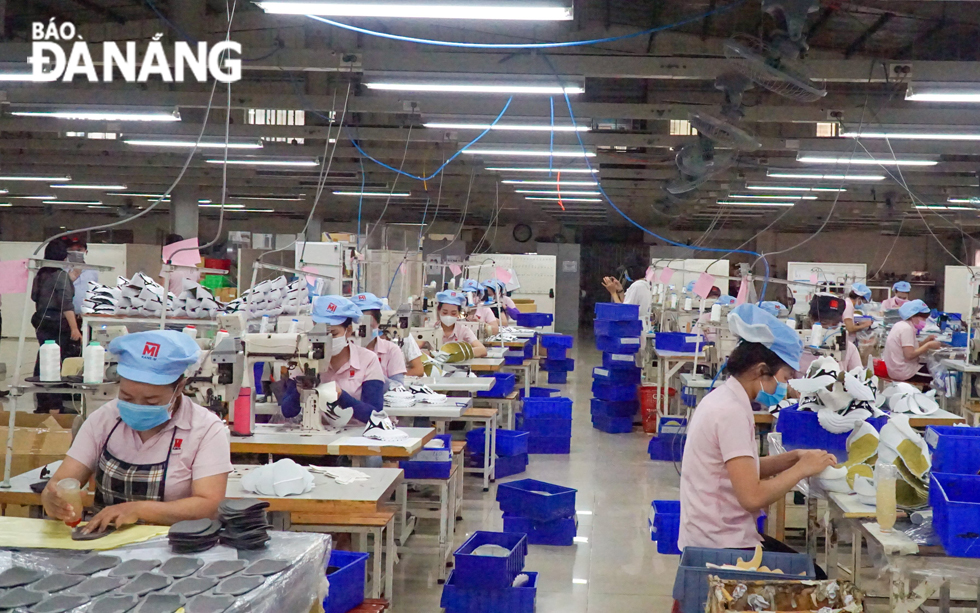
574	43
438	170
393	277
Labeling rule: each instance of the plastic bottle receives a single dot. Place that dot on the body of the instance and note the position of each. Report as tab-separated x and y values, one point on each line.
94	359
50	354
264	326
294	326
70	490
190	331
218	337
243	412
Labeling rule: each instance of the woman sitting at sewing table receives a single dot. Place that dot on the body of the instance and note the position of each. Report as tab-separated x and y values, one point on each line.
157	457
448	305
478	311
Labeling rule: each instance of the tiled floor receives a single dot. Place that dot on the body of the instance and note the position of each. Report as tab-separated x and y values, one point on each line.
615	568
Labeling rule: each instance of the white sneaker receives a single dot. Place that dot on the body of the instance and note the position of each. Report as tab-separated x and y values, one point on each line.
379	427
424	394
400	397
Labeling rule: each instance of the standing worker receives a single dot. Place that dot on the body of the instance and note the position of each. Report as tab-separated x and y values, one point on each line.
77	250
858	295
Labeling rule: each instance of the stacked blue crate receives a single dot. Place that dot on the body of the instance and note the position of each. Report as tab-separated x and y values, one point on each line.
548	422
511	456
545	512
618	335
486	583
557	363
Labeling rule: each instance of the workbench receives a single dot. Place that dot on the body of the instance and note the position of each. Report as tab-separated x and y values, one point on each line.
289	440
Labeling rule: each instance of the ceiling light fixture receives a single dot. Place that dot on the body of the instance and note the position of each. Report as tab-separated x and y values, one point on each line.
516	151
48	179
954	200
218	206
784	197
557	193
286	197
90	186
943	92
563	199
32	197
189	143
572	183
82	113
16	71
819	176
493	10
912	135
866	160
5	204
543	87
139	195
265	162
373	194
943	207
789	188
754	203
81	202
258	210
583	171
512	127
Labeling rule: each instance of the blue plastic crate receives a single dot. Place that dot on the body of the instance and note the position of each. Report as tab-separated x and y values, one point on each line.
958	339
612	425
615	344
557	365
513	361
608	327
347	582
536	500
558	533
549	444
508	465
801	430
508	600
619	361
509	442
955	501
612	408
534	320
426	470
667	447
540	392
557	378
691	582
488	572
529	349
617	311
504	385
617	377
554	408
557	341
545	426
556	354
665	523
617	393
955	451
680	342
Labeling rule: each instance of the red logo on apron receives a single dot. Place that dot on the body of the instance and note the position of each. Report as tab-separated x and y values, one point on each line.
177	443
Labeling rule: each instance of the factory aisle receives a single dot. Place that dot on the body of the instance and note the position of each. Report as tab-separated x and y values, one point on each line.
614	566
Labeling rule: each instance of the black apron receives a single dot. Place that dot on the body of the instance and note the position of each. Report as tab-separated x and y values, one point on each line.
117	482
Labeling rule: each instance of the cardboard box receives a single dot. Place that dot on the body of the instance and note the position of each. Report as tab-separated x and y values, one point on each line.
226	294
38	440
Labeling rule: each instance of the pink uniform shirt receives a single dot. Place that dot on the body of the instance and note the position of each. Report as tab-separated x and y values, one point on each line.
903	334
362	366
459	333
482	314
892	303
721	429
391	357
201	446
508	302
852	359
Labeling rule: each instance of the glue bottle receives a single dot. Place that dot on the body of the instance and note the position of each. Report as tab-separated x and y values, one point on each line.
243	413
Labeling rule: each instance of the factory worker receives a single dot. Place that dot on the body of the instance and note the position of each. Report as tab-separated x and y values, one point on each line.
393	363
900	295
858	295
77	250
355	370
481	312
774	308
496	292
827	310
157	457
640	292
902	347
725	484
448	305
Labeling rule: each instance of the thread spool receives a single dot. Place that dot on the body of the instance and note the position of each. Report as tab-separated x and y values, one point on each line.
93	358
190	331
294	326
264	326
688	304
816	335
715	313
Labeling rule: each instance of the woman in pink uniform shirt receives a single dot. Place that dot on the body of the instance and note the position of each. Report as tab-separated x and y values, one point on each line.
479	312
899	297
724	482
448	305
902	347
156	456
391	356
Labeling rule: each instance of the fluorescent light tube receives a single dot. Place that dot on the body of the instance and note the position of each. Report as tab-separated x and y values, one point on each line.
86	186
3	191
529	152
286	198
16	71
72	202
754	203
103	115
943	207
552	89
943	92
100	206
583	171
138	195
269	162
813	158
48	179
789	188
784	197
557	193
5	204
963	200
218	206
188	143
258	211
818	176
374	194
913	135
563	199
32	197
515	127
489	10
522	182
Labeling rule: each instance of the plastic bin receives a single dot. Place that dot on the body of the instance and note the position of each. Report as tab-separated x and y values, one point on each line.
612	425
955	450
488	572
505	466
509	600
534	320
426	470
545	426
691	582
619	361
347	582
612	408
648	395
680	342
513	361
618	393
667	447
557	378
614	344
558	533
553	408
617	377
556	354
955	501
549	444
433	454
616	311
541	392
503	386
536	500
557	341
665	523
801	430
556	365
509	442
608	327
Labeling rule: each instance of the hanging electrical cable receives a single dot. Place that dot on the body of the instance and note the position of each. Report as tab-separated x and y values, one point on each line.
394	184
462	217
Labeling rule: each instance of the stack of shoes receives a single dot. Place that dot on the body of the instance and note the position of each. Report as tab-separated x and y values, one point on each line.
272	298
379	427
100	299
194	536
246	525
195	302
399	397
425	395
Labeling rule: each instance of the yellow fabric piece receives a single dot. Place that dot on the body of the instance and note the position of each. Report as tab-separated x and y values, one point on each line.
458	352
917	484
862	449
907	497
52	534
910	453
859	469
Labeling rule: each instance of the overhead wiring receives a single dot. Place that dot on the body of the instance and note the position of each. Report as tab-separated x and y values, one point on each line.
462	217
394	184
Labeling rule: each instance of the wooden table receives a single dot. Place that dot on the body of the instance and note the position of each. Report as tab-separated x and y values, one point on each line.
290	441
966	384
480	364
939	418
469	385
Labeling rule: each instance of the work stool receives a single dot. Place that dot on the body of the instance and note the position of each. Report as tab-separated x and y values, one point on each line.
506	406
488	419
380	525
422	508
459	462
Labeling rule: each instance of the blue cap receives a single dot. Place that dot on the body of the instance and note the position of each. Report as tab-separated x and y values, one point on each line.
451	297
158	357
752	324
772	307
334	310
689	287
902	286
862	290
912	307
469	285
493	284
725	300
367	302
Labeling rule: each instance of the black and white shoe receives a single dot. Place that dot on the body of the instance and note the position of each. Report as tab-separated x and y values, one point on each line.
379	427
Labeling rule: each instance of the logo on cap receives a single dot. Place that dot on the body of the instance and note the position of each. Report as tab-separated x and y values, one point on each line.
332	307
152	350
362	297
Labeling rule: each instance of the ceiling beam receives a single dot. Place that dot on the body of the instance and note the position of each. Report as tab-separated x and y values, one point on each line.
106	12
859	42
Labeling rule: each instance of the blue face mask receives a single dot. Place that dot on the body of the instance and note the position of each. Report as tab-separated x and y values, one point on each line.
142	417
770	400
376	333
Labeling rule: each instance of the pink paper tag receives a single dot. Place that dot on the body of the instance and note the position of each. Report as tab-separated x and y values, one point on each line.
191	257
456	270
503	274
743	292
666	274
310	280
813	278
13	277
649	274
704	284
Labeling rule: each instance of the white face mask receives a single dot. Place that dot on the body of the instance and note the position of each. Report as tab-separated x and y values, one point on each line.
448	320
339	343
